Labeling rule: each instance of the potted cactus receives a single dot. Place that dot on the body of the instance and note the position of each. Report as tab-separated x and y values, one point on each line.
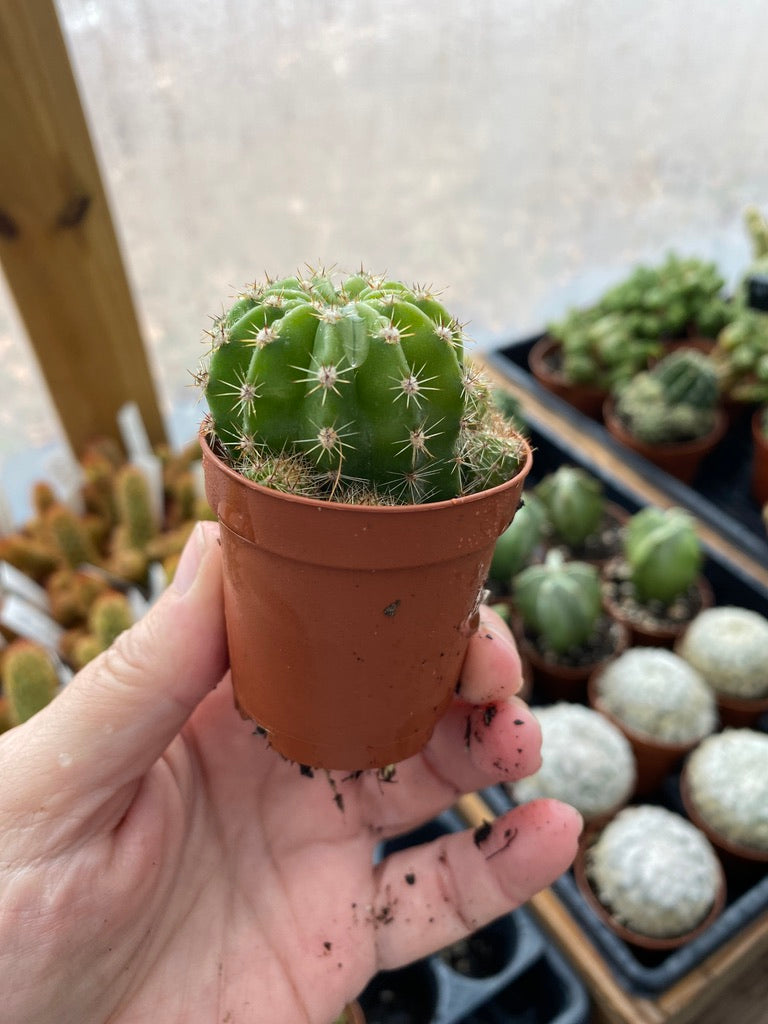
670	414
361	477
561	626
661	704
656	587
724	787
651	877
579	519
517	545
728	646
591	352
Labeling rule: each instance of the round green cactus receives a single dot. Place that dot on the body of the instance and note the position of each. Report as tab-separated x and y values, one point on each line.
364	383
559	601
518	542
574	503
675	401
664	553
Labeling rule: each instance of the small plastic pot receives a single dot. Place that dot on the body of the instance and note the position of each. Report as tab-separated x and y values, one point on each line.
633	938
733	855
680	459
347	625
655	759
543	363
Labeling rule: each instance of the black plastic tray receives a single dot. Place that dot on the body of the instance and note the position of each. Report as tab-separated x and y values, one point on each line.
719	495
522	980
641	973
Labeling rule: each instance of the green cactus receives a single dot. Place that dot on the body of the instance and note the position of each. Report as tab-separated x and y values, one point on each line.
29	678
69	536
559	601
365	382
518	542
134	508
110	615
675	401
574	504
664	553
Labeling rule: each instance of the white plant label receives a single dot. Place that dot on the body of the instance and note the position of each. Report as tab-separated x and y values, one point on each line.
152	469
66	474
12	581
28	621
133	431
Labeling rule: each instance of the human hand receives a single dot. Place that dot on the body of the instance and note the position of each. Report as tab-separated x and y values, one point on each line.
159	862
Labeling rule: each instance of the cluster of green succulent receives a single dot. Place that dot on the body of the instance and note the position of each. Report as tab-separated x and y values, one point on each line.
77	556
741	352
565	508
676	400
358	392
560	600
607	343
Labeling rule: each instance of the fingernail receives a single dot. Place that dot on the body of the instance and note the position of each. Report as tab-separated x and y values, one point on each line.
190	560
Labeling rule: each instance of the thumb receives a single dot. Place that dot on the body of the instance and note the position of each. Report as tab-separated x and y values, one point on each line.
119	713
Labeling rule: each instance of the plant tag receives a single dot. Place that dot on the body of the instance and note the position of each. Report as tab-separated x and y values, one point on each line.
133	431
28	621
158	581
12	581
67	476
139	604
152	469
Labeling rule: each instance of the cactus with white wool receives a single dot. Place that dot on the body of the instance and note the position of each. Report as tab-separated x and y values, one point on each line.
356	391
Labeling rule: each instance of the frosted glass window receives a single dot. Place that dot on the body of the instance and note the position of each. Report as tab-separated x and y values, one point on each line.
522	155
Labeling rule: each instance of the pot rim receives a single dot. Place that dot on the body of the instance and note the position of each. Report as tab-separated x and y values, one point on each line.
345	508
537	360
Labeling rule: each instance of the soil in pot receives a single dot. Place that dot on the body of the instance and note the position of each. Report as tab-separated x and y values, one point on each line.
347	624
545	363
482	954
652	624
680	459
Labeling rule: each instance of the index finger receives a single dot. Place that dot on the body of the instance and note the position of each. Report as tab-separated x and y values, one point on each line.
492	671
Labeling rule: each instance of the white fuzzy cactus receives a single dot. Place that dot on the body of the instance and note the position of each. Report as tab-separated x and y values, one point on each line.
654	872
585	761
727	780
729	647
657	694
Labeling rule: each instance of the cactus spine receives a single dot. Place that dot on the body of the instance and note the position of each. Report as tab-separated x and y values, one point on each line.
365	382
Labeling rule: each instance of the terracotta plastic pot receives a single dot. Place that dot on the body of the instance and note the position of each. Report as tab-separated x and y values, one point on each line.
347	625
543	362
655	759
740	712
681	459
634	938
759	459
733	855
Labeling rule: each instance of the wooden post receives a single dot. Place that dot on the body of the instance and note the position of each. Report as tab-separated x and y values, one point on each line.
57	241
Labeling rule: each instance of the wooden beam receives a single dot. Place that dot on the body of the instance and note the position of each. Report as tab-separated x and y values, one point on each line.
58	246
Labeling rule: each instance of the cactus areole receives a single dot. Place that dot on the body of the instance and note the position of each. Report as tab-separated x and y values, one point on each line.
361	477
